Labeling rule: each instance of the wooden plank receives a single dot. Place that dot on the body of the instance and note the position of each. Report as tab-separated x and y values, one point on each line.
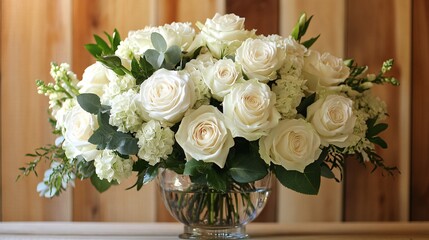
420	116
95	17
374	35
264	17
328	21
33	34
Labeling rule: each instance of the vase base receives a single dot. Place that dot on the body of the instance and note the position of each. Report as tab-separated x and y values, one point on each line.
214	233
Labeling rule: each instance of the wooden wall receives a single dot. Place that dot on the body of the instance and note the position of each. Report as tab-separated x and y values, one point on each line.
36	33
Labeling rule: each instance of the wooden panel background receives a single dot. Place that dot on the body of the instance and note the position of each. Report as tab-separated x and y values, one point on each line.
33	34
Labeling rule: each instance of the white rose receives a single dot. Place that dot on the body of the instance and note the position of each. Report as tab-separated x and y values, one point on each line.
223	34
221	77
79	125
324	70
136	43
94	79
180	34
333	119
260	58
204	137
249	110
293	144
166	95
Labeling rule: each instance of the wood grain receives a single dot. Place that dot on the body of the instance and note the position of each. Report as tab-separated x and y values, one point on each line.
329	22
95	17
33	34
420	116
371	39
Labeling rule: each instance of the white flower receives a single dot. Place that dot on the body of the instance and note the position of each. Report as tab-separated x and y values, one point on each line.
204	137
125	112
293	144
182	33
333	119
94	79
223	34
79	125
110	166
221	77
260	58
289	91
295	53
324	70
61	113
155	142
167	95
249	110
195	69
116	86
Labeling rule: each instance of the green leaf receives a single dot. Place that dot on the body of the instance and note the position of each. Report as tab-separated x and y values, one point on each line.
153	57
217	181
94	50
194	167
310	41
247	166
116	40
85	169
100	185
125	143
112	61
327	172
306	183
158	42
307	101
146	173
89	102
379	141
375	130
172	57
103	45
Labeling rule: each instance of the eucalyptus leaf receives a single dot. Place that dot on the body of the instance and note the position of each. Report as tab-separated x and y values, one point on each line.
158	42
173	56
89	102
152	56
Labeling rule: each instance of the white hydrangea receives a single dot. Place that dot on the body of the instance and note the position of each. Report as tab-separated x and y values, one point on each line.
116	86
155	142
373	105
110	166
195	69
125	112
289	91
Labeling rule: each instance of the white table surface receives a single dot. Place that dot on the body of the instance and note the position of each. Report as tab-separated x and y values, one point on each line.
267	231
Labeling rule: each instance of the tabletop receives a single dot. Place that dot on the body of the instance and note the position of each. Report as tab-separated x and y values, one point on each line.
267	231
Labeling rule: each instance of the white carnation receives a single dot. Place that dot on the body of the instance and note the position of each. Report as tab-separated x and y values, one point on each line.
125	112
155	142
110	166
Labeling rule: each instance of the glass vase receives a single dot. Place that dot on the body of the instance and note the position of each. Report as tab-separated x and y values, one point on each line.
211	214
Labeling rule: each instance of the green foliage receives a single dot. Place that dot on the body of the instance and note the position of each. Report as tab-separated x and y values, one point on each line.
375	129
141	70
161	57
107	136
360	82
305	103
146	173
245	164
207	173
307	182
300	29
100	184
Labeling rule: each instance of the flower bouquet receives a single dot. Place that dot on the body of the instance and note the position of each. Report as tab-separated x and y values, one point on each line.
212	113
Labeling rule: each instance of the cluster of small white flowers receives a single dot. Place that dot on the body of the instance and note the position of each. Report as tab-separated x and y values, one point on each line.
195	69
125	112
373	105
117	86
110	166
155	142
60	114
289	91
